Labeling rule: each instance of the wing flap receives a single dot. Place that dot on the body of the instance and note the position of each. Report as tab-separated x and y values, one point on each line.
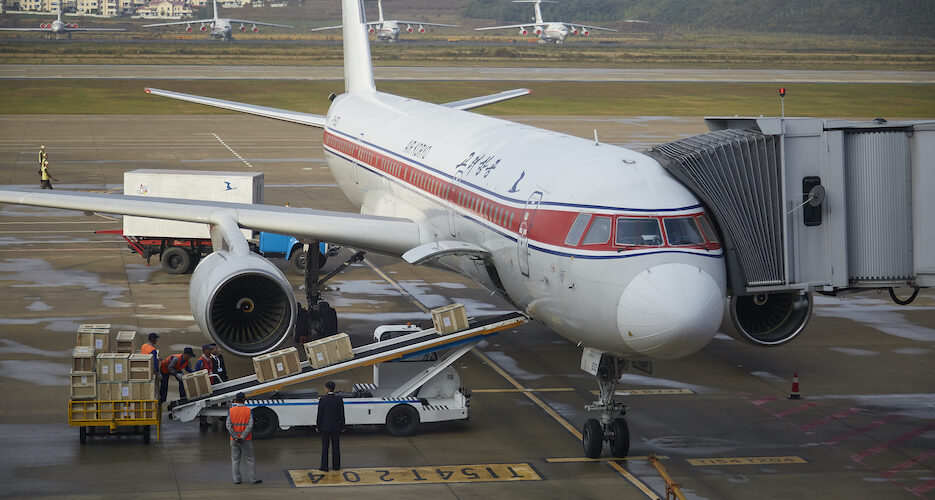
476	102
275	113
388	235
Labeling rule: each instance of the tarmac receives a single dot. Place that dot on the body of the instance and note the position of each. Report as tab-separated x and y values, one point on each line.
202	72
719	421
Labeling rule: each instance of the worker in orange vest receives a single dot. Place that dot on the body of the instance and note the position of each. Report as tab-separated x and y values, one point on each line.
174	365
204	362
240	428
150	348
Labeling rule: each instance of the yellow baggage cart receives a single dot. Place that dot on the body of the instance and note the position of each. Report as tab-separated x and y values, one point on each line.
121	417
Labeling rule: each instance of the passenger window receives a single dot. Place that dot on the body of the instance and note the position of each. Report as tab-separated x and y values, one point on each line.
599	232
642	231
577	229
707	228
682	231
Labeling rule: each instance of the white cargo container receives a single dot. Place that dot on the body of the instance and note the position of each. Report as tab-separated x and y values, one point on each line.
234	187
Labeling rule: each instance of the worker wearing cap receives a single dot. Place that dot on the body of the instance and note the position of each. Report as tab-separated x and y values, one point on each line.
240	429
150	348
174	365
45	177
204	362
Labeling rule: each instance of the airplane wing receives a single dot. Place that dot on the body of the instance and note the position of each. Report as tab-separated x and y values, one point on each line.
420	23
95	29
25	29
191	21
328	28
476	102
589	27
382	234
258	23
275	113
528	25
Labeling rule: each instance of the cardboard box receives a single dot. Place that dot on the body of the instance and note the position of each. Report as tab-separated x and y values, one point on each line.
449	319
125	341
277	364
83	385
144	390
141	367
82	359
329	350
97	340
113	391
196	384
113	367
94	327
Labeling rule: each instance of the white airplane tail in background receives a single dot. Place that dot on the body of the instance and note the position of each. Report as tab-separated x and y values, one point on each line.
536	4
358	69
215	2
380	9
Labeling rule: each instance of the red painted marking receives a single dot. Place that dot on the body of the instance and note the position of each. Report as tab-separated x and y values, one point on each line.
791	411
761	402
869	452
909	463
868	427
829	418
921	490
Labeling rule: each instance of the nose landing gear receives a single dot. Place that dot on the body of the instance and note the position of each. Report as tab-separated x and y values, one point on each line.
611	427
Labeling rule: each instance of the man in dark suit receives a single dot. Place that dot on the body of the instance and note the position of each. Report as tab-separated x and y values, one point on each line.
330	424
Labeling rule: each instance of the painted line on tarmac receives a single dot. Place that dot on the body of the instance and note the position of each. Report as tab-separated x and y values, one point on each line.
648	392
563	460
247	163
702	462
397	286
546	389
423	474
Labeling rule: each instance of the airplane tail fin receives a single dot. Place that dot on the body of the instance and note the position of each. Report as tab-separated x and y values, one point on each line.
358	69
380	9
215	2
538	13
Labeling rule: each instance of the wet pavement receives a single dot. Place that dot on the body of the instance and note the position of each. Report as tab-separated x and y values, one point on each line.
720	420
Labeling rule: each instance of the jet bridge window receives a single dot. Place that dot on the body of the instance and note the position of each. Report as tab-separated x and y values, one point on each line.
683	231
638	232
577	229
599	232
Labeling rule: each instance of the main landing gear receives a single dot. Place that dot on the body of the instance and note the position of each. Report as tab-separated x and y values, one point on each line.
319	320
611	427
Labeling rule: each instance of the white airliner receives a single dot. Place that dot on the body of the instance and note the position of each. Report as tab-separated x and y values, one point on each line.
217	27
548	31
59	27
597	242
388	30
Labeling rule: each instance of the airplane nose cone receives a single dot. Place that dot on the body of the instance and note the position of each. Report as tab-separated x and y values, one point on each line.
670	311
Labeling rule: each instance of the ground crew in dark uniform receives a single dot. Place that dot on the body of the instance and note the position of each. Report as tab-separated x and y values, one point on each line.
174	365
45	177
218	361
330	424
240	429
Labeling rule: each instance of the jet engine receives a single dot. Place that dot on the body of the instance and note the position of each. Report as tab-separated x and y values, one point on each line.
421	29
243	28
538	31
771	319
408	29
574	30
255	29
585	32
188	28
242	302
371	30
72	26
45	26
523	31
204	28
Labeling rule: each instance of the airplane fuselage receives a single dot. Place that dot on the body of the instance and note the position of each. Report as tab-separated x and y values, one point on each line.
573	230
554	32
388	31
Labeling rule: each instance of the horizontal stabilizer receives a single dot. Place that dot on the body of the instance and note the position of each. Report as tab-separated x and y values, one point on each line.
278	114
476	102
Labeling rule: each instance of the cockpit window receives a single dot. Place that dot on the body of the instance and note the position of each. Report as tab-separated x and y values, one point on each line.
599	232
683	231
577	229
638	232
707	229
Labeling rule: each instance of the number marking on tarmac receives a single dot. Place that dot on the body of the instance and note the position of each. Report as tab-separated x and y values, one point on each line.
746	461
484	473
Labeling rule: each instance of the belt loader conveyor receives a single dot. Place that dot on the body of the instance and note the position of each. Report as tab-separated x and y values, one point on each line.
407	346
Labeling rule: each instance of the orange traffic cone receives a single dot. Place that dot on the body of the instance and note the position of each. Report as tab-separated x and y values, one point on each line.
795	387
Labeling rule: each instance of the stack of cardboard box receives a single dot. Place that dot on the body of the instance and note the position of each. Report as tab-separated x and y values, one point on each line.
98	373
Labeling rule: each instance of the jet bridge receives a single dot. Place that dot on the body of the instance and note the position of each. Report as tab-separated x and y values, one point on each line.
812	205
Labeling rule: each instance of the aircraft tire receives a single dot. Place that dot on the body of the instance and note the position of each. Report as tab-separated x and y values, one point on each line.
176	260
298	260
620	443
592	438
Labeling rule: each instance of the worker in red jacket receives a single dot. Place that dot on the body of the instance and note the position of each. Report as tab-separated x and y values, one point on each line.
174	365
240	428
204	362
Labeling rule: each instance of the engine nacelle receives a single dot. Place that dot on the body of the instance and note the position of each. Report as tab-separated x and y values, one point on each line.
422	29
771	319
409	29
45	26
574	30
188	28
538	31
371	30
255	29
242	302
204	28
243	28
523	31
585	32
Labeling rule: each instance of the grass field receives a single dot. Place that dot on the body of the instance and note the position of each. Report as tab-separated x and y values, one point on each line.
548	98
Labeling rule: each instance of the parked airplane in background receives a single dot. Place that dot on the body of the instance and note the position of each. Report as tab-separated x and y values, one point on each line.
217	27
59	27
598	242
548	31
388	30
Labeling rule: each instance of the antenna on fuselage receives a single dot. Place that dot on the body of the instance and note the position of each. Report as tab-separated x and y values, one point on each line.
596	142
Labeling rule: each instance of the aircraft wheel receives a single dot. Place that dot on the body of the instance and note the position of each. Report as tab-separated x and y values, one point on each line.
176	260
298	261
265	423
620	443
592	438
402	420
83	435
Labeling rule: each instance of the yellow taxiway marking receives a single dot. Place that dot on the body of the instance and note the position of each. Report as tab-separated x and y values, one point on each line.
746	461
545	389
648	392
562	460
425	474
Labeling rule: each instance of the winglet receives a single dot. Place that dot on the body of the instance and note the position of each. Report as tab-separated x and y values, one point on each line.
358	69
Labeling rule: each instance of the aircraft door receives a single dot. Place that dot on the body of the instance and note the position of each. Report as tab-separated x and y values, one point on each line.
525	226
453	202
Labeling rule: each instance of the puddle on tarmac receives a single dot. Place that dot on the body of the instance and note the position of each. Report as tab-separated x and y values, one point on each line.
35	372
39	273
880	314
850	351
13	347
634	379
